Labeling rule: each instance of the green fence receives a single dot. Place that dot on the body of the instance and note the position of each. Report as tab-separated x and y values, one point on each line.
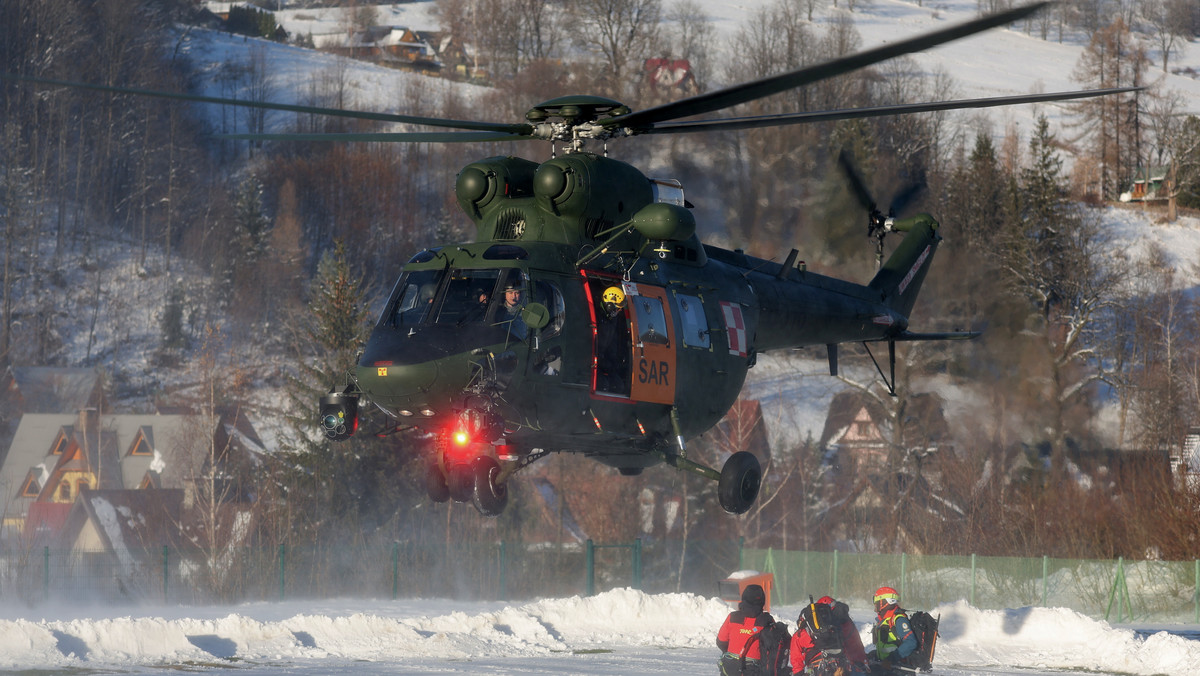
1120	591
489	571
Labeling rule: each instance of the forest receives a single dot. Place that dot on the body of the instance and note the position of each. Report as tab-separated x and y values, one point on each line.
299	241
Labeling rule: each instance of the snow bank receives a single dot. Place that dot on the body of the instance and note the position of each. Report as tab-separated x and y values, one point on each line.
308	635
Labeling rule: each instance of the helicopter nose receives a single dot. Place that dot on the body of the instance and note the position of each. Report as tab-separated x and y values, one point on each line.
408	390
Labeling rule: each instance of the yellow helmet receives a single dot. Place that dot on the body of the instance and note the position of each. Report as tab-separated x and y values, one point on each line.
614	295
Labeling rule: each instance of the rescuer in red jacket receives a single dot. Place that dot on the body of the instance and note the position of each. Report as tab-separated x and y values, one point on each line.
839	643
746	621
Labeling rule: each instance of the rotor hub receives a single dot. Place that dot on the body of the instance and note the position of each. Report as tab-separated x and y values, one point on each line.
575	119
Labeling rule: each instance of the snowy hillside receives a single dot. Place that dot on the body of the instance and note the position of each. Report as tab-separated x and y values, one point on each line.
617	632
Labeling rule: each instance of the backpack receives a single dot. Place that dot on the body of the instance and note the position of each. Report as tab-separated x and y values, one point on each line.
775	644
925	628
824	625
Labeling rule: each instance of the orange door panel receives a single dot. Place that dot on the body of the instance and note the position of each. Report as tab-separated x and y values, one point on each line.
653	345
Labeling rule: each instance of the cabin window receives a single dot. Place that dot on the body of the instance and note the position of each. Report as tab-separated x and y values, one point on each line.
548	295
64	490
651	320
80	485
695	324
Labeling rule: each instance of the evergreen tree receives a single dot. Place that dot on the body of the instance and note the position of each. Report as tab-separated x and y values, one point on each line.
171	322
335	488
1034	250
251	222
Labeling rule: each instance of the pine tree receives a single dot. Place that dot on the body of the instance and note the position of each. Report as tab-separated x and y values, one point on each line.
351	486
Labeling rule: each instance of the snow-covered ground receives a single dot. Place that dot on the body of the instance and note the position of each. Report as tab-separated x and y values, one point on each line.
617	632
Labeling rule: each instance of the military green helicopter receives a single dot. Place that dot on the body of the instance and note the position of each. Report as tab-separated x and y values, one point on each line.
587	316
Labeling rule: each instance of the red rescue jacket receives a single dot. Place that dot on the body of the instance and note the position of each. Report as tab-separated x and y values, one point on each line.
738	628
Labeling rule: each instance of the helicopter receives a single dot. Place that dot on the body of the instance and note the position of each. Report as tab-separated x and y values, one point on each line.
587	316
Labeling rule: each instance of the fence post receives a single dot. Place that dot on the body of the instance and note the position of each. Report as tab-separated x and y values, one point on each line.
395	569
804	573
637	564
903	572
835	574
1045	577
46	573
166	573
971	599
742	553
1196	592
591	568
282	552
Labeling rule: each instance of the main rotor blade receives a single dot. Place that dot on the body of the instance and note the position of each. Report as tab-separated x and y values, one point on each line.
784	119
731	96
266	105
385	137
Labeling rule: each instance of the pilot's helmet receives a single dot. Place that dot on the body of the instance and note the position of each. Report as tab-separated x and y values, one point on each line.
614	300
426	293
514	283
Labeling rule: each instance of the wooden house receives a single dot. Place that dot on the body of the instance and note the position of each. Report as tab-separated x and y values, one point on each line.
54	457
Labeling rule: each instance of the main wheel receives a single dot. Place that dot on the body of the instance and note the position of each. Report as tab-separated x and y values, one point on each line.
741	478
435	483
490	497
461	480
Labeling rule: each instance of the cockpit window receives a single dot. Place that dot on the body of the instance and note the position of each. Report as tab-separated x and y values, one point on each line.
469	294
492	296
414	298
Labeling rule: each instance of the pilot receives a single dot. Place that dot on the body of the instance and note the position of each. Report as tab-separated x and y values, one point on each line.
512	310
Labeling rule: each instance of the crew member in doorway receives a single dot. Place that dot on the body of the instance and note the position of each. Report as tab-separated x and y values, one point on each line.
612	344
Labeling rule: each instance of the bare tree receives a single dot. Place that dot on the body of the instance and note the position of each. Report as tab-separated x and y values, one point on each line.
621	32
1114	58
693	35
1169	25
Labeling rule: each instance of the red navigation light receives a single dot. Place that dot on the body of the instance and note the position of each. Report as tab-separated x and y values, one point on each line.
461	437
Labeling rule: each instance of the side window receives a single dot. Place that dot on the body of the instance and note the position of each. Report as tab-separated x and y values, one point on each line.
695	325
548	294
651	321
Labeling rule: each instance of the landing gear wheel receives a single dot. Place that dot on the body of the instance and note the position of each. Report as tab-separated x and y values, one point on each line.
490	497
435	483
740	479
461	482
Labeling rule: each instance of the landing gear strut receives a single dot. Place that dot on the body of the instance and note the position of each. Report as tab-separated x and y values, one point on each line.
737	482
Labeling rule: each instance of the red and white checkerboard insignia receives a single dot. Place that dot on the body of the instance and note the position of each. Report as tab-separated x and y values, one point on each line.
735	326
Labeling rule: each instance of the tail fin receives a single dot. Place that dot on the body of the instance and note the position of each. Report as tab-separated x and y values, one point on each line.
901	276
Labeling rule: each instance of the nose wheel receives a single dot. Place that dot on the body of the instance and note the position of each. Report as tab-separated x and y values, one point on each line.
477	481
490	497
